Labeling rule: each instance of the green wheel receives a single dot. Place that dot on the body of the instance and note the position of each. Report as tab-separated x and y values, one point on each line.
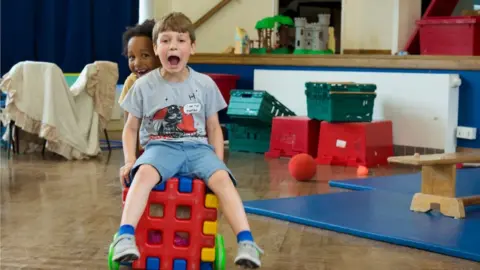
220	253
111	264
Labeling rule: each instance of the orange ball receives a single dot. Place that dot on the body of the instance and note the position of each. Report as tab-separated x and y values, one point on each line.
302	167
362	171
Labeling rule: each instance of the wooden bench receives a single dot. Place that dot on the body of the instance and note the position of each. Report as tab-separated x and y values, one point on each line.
439	181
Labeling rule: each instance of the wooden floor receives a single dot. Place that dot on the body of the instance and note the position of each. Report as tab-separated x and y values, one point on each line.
62	215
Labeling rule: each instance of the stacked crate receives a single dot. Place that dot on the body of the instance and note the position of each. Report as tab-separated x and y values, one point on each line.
251	113
347	134
340	102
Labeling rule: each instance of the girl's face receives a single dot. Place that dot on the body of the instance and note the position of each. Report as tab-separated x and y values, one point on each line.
141	57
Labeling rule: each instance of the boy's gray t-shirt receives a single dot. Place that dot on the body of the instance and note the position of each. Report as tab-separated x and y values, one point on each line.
173	111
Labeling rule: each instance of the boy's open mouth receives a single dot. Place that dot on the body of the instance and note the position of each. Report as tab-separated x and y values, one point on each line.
173	60
141	72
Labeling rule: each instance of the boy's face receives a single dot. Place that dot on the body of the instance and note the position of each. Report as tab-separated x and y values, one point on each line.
174	50
141	57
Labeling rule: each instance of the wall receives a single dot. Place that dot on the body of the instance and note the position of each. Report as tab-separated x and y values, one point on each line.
360	24
406	12
215	35
162	7
361	30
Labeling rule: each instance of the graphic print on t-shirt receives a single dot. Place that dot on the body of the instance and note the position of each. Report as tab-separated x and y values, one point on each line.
174	122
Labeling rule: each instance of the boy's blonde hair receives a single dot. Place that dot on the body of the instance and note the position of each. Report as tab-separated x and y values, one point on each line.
175	21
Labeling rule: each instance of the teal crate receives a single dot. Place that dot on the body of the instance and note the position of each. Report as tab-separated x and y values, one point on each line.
340	102
255	107
71	78
244	138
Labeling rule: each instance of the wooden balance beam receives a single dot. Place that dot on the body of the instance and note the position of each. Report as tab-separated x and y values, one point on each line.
439	182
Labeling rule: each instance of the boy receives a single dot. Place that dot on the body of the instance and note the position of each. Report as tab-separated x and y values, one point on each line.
175	108
138	48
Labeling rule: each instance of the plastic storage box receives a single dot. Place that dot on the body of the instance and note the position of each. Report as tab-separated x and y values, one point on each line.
248	138
255	107
340	102
450	35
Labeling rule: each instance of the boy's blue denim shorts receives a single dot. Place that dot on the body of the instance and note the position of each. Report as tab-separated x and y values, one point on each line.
181	158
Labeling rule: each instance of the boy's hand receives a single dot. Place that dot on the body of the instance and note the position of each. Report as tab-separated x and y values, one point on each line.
125	173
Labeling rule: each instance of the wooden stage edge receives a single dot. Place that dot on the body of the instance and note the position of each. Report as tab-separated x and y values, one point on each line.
353	61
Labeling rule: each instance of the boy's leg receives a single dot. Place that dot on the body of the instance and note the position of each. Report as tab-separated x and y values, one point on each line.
158	162
248	252
204	163
125	248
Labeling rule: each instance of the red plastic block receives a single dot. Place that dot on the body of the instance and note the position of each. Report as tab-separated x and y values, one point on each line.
293	135
166	251
354	144
225	82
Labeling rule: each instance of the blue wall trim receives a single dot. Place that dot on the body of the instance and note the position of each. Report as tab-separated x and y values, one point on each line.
469	113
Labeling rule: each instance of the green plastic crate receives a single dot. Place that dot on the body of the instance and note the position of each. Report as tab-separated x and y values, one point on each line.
340	102
255	107
243	138
71	78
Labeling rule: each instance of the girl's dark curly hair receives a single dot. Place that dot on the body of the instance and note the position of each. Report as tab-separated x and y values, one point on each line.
144	29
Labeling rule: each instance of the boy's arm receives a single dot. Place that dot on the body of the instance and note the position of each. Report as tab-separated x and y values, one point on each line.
215	103
133	105
129	138
215	135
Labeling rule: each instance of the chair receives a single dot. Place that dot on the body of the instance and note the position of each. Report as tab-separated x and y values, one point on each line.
91	89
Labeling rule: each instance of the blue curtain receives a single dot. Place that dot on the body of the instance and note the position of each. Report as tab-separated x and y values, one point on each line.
69	33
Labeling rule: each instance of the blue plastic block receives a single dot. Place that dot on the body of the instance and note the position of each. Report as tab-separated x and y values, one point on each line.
153	263
185	185
160	187
206	266
179	265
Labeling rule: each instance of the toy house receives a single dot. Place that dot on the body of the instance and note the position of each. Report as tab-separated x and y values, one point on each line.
265	28
312	38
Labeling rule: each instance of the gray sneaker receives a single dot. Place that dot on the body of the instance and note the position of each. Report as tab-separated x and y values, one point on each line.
125	249
248	255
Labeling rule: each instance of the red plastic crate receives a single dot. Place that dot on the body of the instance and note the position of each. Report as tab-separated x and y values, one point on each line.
355	144
292	135
225	82
459	35
436	8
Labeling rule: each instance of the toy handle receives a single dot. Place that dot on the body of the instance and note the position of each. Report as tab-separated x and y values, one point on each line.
220	256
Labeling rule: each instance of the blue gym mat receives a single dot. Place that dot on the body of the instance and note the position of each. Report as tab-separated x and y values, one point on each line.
379	215
468	183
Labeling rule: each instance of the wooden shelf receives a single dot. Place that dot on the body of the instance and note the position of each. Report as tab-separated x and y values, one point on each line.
353	61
